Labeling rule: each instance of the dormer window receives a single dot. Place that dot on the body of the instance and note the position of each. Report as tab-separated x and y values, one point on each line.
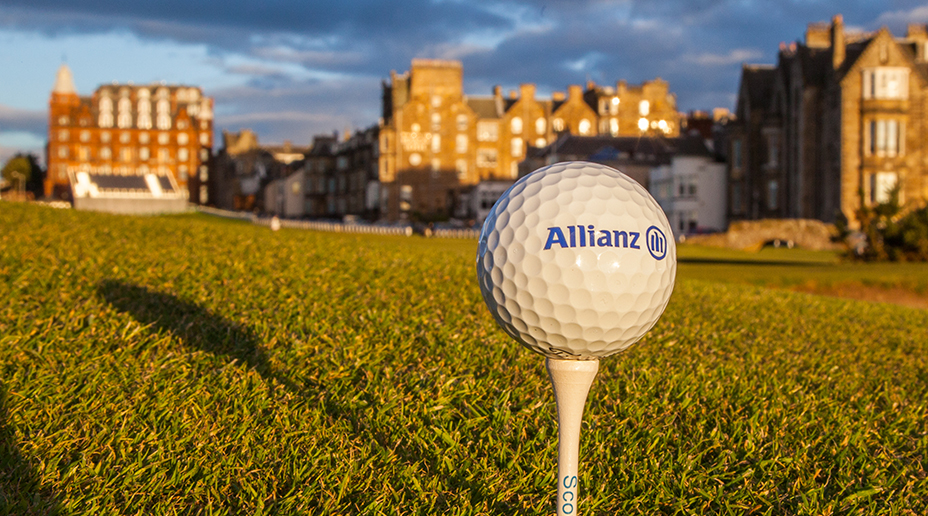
890	83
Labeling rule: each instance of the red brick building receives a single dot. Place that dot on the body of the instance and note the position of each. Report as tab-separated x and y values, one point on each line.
130	130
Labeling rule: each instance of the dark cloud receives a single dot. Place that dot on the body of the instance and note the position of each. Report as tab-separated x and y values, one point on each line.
23	120
314	67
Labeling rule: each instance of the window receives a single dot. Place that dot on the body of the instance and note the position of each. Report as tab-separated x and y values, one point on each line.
736	206
436	165
642	124
143	138
106	112
124	137
881	187
83	153
462	122
886	83
106	153
644	107
540	142
126	154
85	136
163	138
63	135
182	154
125	116
415	159
183	138
516	125
885	138
736	154
460	166
164	155
614	106
460	144
182	172
585	126
105	136
558	124
436	143
204	138
486	157
516	147
436	122
614	126
540	125
164	114
487	131
773	193
62	152
144	154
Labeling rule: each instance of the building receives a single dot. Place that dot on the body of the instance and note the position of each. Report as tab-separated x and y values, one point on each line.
242	169
635	157
839	122
126	130
436	142
691	188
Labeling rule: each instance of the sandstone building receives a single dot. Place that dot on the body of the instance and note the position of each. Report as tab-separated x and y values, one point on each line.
842	119
157	130
435	141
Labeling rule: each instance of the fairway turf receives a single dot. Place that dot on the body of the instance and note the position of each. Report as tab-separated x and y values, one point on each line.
189	365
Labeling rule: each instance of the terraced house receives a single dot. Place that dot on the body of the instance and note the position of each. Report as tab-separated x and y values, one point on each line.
840	121
435	141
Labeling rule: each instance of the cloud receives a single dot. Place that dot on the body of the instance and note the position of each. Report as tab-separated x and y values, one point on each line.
897	21
23	120
735	56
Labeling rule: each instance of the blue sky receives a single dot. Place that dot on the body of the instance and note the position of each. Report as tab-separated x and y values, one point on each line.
289	69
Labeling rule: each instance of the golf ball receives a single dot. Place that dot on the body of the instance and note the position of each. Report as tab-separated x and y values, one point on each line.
576	261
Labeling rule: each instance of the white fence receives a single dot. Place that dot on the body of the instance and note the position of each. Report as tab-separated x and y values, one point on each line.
338	227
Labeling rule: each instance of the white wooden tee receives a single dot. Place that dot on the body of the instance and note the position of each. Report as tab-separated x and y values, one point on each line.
571	380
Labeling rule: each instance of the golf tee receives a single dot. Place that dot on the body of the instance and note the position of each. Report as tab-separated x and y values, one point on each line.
571	380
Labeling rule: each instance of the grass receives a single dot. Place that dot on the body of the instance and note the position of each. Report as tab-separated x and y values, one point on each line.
184	365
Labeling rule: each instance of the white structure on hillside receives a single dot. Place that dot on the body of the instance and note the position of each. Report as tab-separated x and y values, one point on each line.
691	190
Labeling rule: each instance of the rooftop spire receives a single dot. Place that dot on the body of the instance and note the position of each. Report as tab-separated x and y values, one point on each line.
64	82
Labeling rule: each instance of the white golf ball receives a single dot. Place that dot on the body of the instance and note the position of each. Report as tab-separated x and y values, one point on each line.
576	261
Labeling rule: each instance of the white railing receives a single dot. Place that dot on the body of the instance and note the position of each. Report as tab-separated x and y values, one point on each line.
338	227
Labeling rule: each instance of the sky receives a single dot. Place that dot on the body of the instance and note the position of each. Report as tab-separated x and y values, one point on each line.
290	69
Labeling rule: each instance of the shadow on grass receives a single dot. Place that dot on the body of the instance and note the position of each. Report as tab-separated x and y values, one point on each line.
21	492
195	326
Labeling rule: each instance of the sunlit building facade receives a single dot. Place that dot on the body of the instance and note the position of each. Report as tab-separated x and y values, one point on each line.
436	141
129	130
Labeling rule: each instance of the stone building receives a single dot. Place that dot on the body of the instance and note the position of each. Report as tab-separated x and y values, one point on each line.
436	142
129	130
842	119
242	169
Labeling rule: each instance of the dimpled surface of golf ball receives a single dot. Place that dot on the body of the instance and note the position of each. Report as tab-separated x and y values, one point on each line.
576	261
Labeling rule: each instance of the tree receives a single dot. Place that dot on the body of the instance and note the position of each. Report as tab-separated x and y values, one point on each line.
893	234
24	173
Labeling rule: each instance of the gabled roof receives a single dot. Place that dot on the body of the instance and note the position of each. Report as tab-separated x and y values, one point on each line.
484	107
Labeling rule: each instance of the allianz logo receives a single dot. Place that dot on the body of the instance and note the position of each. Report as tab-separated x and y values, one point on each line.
588	236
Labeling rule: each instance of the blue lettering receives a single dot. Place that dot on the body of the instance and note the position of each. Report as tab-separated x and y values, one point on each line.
605	240
582	236
592	236
573	235
624	236
634	239
555	236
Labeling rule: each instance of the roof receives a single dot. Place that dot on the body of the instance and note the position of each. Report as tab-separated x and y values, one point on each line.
484	107
758	81
611	147
64	81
